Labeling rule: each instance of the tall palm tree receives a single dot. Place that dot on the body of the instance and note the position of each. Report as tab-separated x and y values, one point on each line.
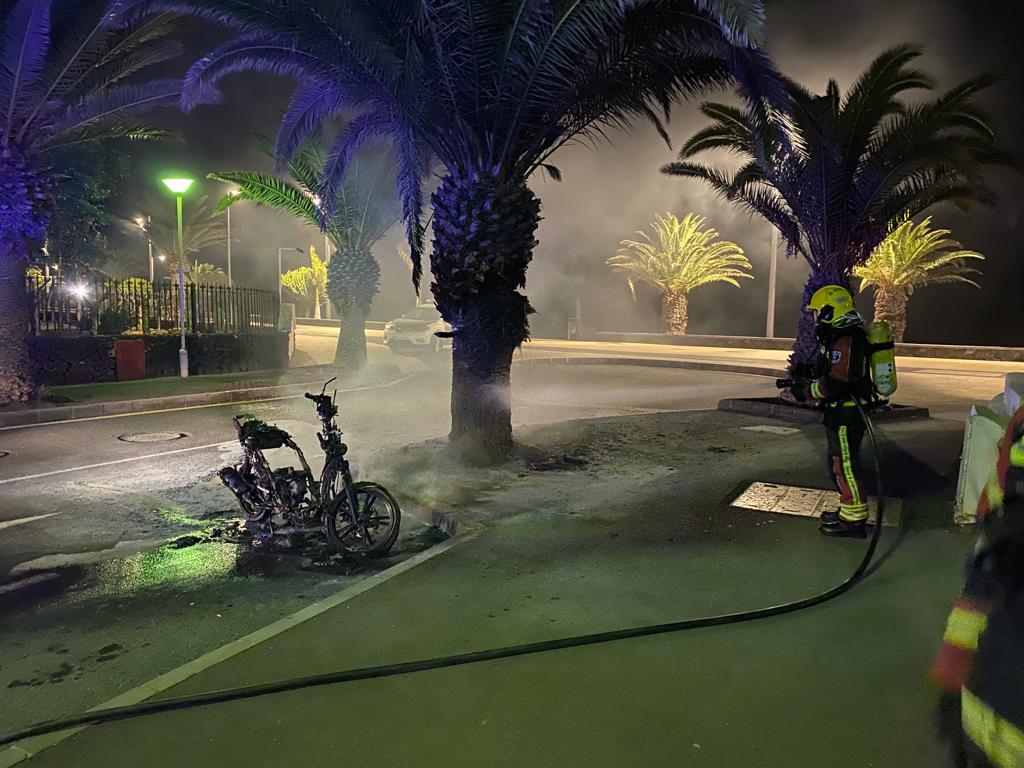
913	256
365	208
64	67
491	90
830	172
680	258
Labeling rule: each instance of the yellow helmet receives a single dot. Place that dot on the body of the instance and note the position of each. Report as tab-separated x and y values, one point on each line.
831	304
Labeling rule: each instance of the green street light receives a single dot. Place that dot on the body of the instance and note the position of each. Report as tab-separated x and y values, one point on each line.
179	186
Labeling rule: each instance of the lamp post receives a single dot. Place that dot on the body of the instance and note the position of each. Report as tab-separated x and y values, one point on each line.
772	274
144	224
179	186
231	193
280	251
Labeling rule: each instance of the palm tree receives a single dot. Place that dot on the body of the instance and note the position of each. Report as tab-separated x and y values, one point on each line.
490	91
830	172
912	256
308	283
199	273
62	85
365	208
200	230
681	257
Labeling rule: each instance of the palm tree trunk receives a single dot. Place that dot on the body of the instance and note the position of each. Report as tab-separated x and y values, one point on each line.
316	304
674	312
17	379
482	350
483	243
351	351
891	306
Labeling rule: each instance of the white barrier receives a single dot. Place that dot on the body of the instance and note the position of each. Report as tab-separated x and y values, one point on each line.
985	427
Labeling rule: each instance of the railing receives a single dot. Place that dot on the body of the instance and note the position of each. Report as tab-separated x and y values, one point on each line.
110	307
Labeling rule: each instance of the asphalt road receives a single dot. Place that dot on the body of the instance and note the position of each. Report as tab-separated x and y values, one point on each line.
93	593
94	598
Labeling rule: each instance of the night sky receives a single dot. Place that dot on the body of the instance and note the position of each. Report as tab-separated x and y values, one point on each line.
609	194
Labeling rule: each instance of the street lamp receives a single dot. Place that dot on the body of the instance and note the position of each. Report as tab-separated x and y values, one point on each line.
231	193
280	294
144	225
772	277
178	187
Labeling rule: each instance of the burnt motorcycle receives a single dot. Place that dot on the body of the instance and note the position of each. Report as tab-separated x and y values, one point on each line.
358	518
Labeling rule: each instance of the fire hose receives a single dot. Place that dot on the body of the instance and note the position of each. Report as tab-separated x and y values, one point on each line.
113	714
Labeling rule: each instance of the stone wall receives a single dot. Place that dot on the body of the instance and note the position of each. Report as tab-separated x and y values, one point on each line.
88	359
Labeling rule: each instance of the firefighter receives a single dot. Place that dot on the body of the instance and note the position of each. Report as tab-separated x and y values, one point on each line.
981	664
841	378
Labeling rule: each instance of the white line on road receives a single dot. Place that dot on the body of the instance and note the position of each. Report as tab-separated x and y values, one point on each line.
112	463
31	747
23	520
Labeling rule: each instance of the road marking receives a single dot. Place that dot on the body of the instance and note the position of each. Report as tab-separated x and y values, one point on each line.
36	578
30	747
111	463
23	520
368	388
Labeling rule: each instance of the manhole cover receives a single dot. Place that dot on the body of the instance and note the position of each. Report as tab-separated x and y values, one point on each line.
152	437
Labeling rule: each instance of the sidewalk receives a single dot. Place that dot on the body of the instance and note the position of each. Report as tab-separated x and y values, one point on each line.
642	534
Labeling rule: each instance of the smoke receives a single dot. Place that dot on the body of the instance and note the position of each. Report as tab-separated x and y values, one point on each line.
610	193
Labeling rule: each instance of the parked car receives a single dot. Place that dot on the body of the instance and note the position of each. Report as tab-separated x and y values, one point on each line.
415	333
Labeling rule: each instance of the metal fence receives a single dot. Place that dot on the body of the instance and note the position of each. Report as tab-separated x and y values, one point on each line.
104	306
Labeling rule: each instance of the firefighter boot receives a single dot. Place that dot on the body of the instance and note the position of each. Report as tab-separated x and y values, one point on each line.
845	529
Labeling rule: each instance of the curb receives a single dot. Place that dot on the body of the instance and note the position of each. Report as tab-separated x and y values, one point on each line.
62	413
656	362
946	351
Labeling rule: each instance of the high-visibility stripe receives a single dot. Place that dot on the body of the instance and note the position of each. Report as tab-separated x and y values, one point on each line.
1017	455
858	510
817	391
994	493
1000	740
964	627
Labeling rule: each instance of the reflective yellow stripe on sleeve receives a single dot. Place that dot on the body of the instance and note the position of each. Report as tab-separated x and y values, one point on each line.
999	739
994	493
1017	455
963	628
816	390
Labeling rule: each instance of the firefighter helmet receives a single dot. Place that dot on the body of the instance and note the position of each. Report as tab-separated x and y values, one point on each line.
831	305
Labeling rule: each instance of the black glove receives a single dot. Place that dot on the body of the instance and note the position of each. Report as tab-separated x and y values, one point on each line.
801	391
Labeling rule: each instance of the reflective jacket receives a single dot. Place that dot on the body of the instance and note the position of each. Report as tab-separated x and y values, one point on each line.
844	375
982	656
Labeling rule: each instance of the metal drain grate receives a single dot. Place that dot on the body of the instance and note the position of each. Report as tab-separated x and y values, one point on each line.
152	437
805	502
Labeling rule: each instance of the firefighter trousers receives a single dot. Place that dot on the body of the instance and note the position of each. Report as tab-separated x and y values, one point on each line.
844	442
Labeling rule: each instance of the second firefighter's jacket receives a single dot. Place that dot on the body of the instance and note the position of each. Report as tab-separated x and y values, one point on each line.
982	655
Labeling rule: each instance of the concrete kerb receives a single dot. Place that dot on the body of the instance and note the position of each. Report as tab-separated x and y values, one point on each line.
655	362
459	532
29	417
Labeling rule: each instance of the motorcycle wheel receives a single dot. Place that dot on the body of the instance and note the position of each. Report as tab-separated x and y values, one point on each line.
374	528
